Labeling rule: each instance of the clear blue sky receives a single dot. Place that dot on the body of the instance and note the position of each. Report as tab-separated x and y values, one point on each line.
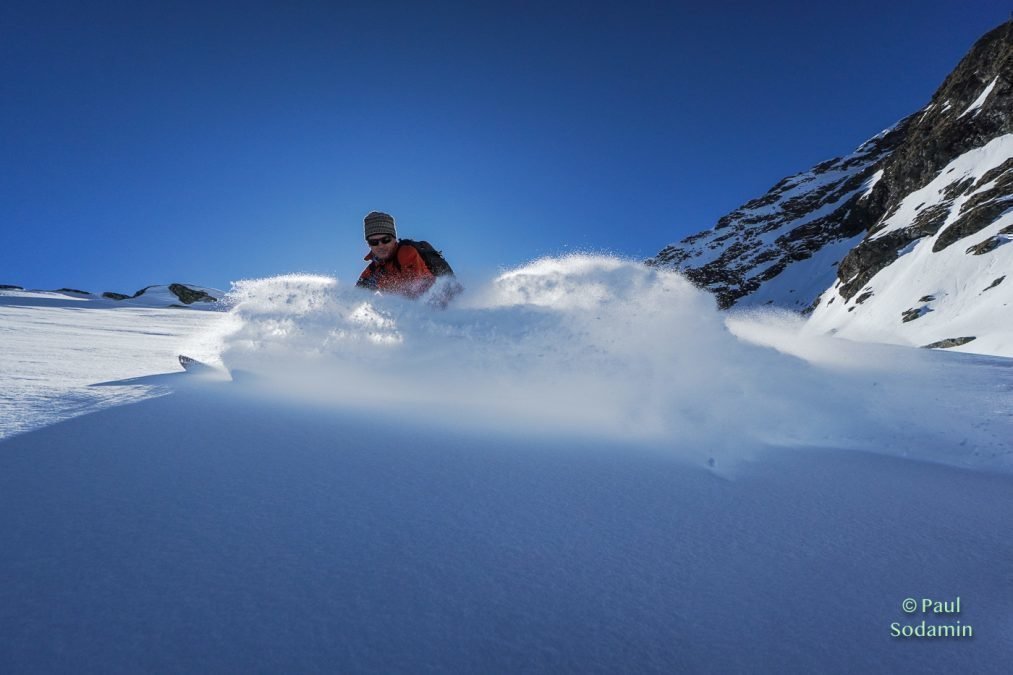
206	142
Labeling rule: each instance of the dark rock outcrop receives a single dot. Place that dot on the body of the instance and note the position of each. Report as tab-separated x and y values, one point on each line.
986	246
188	295
994	283
950	342
122	296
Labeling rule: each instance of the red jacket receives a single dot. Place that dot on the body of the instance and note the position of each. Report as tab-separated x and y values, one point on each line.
405	273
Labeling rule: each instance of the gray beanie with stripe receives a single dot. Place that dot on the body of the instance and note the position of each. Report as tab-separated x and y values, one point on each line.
378	222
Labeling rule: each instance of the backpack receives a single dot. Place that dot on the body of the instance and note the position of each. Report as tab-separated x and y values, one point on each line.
433	259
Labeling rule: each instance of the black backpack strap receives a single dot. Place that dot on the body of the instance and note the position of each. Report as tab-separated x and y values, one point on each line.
397	251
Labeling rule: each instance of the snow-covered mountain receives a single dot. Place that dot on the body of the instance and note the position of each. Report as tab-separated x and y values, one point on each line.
170	295
901	241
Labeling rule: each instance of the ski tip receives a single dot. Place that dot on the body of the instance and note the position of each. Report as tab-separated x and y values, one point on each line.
191	364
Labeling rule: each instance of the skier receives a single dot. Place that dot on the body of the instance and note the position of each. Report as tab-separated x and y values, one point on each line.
405	267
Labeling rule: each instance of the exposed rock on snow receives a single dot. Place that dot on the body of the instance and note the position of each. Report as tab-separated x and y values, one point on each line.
986	246
188	295
914	313
995	283
950	342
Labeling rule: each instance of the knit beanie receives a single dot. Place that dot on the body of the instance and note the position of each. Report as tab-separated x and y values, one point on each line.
378	222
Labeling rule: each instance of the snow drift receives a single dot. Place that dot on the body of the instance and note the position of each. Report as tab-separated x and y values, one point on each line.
588	346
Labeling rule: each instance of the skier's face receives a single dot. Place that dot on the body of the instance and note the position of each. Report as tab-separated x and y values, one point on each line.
382	246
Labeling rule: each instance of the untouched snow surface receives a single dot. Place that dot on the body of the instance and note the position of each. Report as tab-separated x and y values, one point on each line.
612	477
58	352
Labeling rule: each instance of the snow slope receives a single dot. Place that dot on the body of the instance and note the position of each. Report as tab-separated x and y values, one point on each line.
933	292
614	476
57	352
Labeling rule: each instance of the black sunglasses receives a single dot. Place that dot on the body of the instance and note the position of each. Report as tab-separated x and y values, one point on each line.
386	239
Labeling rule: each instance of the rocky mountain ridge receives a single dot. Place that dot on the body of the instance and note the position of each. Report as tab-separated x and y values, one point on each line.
923	209
797	218
171	295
